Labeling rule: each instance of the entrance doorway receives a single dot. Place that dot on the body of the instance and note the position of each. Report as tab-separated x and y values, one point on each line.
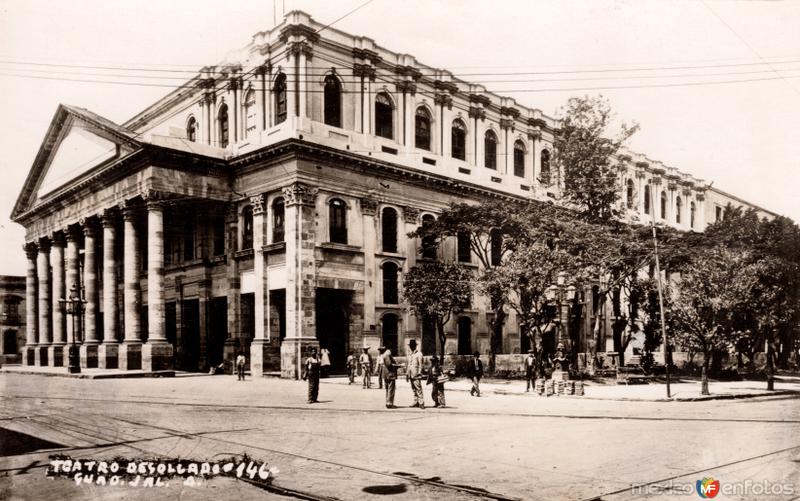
333	325
190	334
217	330
464	336
389	332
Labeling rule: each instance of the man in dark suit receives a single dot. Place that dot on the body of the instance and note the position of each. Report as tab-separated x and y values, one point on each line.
390	376
476	370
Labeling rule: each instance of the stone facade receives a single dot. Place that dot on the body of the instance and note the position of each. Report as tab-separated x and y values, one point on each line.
13	319
264	207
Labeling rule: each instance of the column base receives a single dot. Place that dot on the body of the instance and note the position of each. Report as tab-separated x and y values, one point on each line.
89	355
130	356
73	359
41	355
293	351
29	356
229	354
108	356
55	353
157	356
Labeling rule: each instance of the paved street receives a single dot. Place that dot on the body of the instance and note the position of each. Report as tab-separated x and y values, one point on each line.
350	446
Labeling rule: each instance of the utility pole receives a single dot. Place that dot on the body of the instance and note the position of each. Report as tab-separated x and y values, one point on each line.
660	297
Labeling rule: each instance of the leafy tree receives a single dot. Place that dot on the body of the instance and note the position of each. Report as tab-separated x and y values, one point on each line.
482	224
437	291
589	159
711	291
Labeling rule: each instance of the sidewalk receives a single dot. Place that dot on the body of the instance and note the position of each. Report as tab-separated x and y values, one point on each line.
682	391
84	374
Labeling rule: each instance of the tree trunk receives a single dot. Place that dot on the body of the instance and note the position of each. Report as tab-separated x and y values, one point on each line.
770	365
442	340
595	342
704	375
497	334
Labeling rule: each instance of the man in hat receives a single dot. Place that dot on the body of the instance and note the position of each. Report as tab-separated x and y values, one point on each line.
476	369
352	367
530	371
380	367
414	374
366	367
390	373
311	370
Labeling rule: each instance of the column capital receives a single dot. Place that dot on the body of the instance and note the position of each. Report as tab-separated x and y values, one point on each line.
257	201
44	245
154	199
72	233
410	214
130	213
369	206
109	218
58	239
300	194
31	249
89	226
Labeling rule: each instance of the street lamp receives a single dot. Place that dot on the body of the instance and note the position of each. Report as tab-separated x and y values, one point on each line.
74	307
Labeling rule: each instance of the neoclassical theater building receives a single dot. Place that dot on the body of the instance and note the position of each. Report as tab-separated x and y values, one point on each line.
264	206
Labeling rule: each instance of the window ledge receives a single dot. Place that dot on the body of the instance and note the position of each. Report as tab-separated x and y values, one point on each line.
274	247
341	247
393	255
243	254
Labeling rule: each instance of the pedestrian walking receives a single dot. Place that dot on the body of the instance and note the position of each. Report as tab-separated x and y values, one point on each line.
380	368
477	373
414	374
436	378
530	371
325	362
241	361
311	371
366	367
352	368
390	375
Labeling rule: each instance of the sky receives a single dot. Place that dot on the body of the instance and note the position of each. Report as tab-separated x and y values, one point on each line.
659	63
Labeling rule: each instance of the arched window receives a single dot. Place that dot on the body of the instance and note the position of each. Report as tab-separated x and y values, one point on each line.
390	295
389	230
692	209
647	199
629	193
247	228
519	159
464	251
250	113
333	101
490	150
464	336
496	247
384	116
279	91
428	242
458	135
338	221
422	129
663	205
191	129
544	167
222	119
389	332
278	229
678	206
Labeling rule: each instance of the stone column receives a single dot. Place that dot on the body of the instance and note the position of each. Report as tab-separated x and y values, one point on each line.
259	347
31	307
45	325
411	223
372	282
91	341
300	238
130	356
72	278
157	352
303	58
56	349
108	351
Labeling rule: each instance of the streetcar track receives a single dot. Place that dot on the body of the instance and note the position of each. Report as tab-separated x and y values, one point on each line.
415	411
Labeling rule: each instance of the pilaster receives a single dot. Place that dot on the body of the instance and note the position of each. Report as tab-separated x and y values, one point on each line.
260	344
369	210
300	238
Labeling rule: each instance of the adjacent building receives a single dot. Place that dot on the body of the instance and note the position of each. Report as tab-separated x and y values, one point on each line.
264	206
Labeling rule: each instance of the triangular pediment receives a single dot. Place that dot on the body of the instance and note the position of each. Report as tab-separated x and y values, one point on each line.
77	144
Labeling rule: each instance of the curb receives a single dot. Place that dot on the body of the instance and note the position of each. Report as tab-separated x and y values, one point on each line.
82	375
